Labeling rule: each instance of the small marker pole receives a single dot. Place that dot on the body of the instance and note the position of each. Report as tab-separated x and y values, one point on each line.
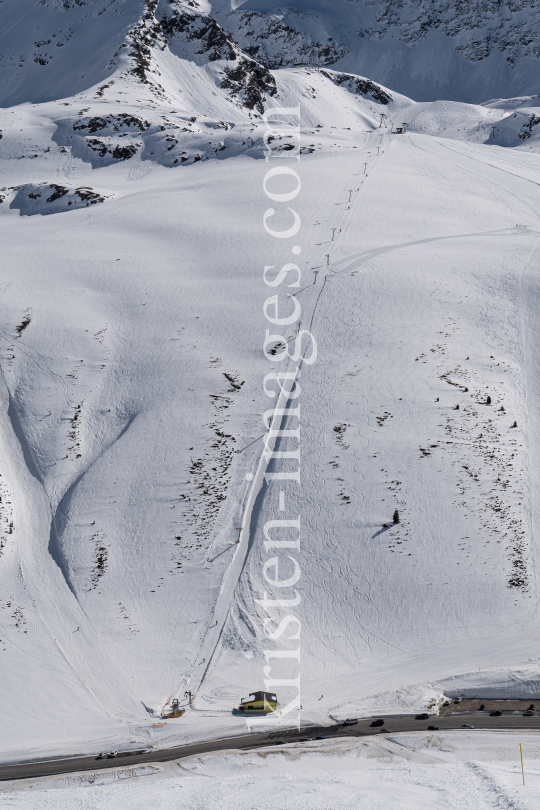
522	771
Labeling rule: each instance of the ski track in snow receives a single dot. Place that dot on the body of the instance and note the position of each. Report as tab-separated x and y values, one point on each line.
131	371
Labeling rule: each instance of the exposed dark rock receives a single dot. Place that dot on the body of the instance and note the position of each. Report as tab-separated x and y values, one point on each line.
276	43
58	192
361	87
246	80
124	152
533	121
118	123
214	42
250	82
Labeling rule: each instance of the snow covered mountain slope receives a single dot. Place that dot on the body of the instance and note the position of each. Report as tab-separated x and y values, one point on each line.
56	48
82	44
426	50
431	277
131	355
132	382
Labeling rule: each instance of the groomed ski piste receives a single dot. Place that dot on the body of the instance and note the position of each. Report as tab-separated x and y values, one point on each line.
133	456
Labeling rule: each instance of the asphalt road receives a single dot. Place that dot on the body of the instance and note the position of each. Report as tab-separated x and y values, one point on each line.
480	720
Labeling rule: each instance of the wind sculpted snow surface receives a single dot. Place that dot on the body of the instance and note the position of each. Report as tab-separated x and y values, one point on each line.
131	335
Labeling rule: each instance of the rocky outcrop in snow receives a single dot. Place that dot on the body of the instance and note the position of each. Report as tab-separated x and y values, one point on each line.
427	49
176	23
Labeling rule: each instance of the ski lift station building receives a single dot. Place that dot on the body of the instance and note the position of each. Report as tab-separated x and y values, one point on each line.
259	703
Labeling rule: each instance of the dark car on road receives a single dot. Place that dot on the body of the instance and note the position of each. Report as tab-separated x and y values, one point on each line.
495	714
422	716
377	723
528	713
433	728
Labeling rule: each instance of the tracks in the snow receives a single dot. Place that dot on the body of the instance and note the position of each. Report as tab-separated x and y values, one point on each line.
221	610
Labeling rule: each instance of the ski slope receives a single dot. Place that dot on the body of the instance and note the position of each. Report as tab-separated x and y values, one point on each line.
132	388
116	402
453	587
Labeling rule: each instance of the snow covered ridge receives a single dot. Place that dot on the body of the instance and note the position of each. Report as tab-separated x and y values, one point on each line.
359	86
197	36
444	48
460	51
88	43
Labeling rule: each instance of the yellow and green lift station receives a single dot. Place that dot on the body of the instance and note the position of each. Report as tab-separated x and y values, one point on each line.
259	703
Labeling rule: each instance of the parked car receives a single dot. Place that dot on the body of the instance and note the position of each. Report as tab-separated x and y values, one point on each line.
466	725
320	738
528	713
495	714
423	716
377	723
350	721
447	703
433	728
385	731
102	755
457	700
112	754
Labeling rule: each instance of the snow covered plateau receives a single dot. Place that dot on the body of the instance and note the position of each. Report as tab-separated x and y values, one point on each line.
140	500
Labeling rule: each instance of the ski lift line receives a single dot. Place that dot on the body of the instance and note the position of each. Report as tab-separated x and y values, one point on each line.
228	548
337	243
236	567
377	251
249	445
292	295
222	608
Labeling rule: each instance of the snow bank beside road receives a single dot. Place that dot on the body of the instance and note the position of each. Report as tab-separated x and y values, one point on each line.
448	771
